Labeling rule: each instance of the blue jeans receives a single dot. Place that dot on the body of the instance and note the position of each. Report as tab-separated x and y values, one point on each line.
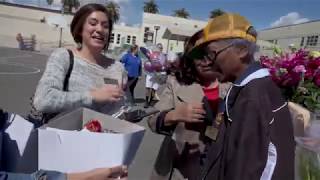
49	175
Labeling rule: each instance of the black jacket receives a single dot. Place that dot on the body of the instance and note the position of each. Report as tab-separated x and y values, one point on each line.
38	175
256	137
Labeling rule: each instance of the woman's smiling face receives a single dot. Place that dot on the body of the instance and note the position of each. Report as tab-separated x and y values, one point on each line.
96	30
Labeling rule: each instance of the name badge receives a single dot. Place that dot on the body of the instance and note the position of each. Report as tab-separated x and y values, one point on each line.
213	131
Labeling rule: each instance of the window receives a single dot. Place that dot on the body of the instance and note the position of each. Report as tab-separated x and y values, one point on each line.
312	41
133	40
118	39
146	30
112	38
148	35
302	42
128	39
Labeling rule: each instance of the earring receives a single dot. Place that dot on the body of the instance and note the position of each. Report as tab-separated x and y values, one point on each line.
79	45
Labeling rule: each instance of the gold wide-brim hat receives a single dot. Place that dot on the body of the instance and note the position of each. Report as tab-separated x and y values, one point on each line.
226	26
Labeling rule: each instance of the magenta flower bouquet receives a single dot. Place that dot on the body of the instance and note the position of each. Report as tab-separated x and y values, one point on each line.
298	75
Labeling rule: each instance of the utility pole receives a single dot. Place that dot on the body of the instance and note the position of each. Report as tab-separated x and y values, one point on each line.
156	28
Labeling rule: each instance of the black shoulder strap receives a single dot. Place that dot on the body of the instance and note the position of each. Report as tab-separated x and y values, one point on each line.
66	79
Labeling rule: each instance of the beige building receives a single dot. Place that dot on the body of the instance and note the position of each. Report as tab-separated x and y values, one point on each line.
123	34
29	21
304	35
168	30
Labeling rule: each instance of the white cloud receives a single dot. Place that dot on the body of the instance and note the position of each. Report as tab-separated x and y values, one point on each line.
290	18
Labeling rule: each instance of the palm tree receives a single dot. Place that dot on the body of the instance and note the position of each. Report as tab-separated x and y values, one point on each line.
114	10
216	12
183	13
69	4
150	7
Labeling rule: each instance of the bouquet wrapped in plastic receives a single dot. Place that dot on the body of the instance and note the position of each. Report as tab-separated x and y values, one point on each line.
308	158
298	75
156	60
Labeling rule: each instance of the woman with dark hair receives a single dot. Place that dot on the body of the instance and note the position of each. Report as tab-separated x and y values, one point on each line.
181	117
91	29
132	64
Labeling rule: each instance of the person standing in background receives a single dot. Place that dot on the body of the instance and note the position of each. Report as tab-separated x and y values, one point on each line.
132	64
155	79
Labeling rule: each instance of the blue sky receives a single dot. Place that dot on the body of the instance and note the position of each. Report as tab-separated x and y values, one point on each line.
262	13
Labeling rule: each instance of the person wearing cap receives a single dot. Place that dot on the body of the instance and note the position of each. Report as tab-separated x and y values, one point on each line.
255	139
181	117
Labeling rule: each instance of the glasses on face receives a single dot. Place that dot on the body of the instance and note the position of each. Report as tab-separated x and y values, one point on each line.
212	55
205	54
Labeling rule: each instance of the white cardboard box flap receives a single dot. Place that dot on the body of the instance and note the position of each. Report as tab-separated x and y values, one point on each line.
16	144
65	148
68	150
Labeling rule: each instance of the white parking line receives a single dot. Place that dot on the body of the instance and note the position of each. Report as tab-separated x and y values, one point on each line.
14	57
4	60
33	70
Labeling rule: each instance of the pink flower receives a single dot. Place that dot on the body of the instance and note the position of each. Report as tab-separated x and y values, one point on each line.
290	79
299	69
314	63
317	81
309	74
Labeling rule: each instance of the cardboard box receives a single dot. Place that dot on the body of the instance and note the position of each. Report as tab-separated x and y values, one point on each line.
16	145
66	149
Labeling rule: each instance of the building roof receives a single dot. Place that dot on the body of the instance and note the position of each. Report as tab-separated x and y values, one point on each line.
172	18
173	33
171	21
290	25
265	43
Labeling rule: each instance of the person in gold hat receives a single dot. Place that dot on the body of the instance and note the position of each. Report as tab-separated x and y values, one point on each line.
255	139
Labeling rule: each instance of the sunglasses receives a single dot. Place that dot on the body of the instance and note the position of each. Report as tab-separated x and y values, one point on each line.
202	54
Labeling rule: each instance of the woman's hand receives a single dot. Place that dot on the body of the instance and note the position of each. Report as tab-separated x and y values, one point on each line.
107	93
185	112
118	172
